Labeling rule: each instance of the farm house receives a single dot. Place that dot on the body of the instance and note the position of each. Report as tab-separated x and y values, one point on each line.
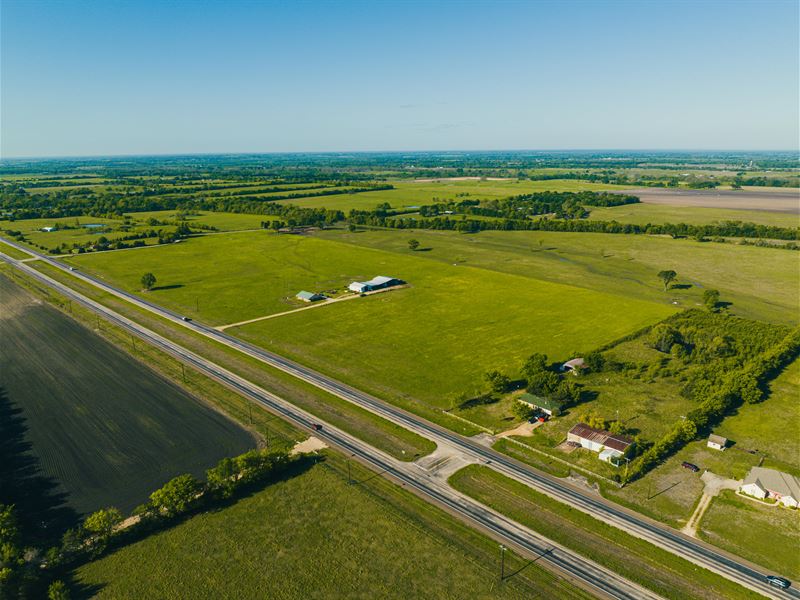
769	483
376	283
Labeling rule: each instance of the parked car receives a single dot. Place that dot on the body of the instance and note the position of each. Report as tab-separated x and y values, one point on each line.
780	582
316	427
690	466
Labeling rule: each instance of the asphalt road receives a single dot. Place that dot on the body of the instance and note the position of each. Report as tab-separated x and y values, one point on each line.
638	525
587	574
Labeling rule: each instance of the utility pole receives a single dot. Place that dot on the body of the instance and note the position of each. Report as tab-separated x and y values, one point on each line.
502	563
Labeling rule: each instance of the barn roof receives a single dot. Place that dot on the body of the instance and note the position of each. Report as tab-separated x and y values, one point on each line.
600	436
717	439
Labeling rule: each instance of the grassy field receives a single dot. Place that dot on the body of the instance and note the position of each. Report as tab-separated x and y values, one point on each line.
106	427
767	535
384	435
441	334
642	214
761	283
315	536
635	559
416	193
220	220
773	426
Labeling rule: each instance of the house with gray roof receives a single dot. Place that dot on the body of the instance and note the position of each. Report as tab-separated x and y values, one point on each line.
769	483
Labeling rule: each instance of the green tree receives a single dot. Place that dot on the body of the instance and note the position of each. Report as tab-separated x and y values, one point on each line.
351	227
222	478
58	591
711	299
594	361
543	383
176	496
148	281
522	411
667	277
536	363
499	383
101	524
413	244
662	337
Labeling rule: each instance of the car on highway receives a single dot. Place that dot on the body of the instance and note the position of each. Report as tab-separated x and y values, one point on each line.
187	319
73	269
316	427
690	466
777	581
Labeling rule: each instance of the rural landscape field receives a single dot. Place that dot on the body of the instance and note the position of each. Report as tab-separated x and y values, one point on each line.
442	300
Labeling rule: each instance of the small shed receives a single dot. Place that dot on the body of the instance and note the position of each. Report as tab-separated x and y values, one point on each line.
309	296
717	442
575	365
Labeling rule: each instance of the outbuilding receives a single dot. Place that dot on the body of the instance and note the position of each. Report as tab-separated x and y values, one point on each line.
309	296
376	283
576	365
717	442
609	446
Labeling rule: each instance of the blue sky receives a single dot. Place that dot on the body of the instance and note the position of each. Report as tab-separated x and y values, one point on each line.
143	77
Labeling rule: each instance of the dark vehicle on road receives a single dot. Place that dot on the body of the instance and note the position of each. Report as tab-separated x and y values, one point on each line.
780	582
690	466
316	426
187	319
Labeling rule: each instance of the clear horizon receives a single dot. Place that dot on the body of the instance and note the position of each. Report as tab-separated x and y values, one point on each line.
85	80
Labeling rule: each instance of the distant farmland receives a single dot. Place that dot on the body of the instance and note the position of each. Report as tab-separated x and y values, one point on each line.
104	426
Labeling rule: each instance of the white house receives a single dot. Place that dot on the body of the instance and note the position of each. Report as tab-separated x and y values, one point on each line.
717	442
610	447
769	483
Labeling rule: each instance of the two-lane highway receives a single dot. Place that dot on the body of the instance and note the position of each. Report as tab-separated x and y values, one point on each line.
586	573
660	535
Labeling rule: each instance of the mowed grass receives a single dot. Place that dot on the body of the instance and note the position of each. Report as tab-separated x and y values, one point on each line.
635	559
761	283
771	427
417	193
767	535
315	536
103	425
434	340
642	214
431	341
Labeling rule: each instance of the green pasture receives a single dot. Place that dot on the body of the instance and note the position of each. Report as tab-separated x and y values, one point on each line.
32	229
105	427
416	193
771	427
642	214
315	536
221	220
432	340
761	283
768	535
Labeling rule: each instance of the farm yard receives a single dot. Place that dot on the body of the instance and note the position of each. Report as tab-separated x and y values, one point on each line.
105	427
761	283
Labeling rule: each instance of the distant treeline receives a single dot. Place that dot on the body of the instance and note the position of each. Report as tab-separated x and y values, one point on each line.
565	205
466	225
